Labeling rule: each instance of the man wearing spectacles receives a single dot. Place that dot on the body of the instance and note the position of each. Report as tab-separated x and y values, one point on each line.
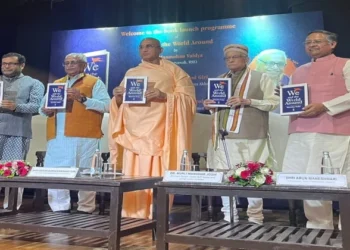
21	99
154	134
245	120
324	124
73	133
272	62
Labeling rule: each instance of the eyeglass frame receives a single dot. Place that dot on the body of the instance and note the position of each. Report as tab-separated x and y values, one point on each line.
234	57
9	64
73	63
273	63
317	42
149	46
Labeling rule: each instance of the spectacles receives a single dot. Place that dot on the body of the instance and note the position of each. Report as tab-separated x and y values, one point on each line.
11	64
228	58
271	64
317	42
148	46
73	63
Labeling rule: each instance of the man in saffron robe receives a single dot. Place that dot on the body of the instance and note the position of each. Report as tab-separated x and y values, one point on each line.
246	121
154	134
324	124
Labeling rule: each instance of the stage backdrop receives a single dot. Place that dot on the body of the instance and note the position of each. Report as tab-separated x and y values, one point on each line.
196	47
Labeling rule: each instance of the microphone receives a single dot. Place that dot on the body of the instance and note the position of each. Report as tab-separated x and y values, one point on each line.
229	75
223	133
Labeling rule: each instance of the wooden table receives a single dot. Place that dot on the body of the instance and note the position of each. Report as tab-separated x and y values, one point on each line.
245	235
111	227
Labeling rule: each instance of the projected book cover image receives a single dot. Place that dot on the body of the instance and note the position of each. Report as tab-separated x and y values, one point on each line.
219	90
98	64
293	98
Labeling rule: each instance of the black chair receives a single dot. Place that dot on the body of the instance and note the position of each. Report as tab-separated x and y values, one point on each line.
103	196
40	156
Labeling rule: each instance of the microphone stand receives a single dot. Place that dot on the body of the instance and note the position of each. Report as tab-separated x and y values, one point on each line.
223	133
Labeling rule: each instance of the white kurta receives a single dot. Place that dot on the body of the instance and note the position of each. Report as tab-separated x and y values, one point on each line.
304	154
63	151
241	150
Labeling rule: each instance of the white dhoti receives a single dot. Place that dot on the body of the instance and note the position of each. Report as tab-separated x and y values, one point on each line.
240	150
304	155
59	199
70	151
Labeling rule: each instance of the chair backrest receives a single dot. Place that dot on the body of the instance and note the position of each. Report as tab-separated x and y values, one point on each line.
278	126
38	143
201	131
40	156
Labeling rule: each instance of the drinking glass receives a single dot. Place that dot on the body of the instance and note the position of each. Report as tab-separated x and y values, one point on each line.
330	170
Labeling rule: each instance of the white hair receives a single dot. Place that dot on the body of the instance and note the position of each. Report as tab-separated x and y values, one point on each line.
80	56
272	51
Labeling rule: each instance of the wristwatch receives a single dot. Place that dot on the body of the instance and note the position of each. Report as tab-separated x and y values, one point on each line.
83	99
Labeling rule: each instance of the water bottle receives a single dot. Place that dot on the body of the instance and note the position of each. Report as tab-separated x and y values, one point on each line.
185	164
96	166
327	167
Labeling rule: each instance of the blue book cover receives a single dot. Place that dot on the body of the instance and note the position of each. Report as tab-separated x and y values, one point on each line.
56	96
293	98
219	90
135	88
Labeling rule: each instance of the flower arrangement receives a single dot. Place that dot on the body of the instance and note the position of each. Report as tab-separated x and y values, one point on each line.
250	173
14	168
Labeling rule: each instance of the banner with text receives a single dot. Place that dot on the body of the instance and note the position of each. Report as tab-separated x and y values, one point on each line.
275	47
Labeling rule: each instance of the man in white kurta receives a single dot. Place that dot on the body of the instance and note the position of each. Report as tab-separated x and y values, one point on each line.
324	124
69	148
246	121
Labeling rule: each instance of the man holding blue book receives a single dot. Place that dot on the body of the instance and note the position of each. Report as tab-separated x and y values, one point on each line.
245	119
73	132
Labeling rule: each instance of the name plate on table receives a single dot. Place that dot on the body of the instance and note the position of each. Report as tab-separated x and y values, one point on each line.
293	98
56	96
53	172
193	176
135	88
219	90
312	180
